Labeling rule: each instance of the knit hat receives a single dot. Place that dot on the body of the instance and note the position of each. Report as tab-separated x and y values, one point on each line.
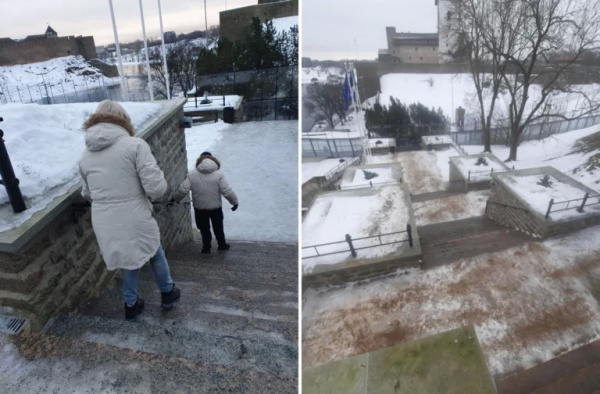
205	154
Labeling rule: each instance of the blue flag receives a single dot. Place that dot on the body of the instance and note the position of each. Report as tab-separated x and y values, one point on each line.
347	93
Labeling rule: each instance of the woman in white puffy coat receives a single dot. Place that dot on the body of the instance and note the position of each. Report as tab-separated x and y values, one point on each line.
208	184
119	176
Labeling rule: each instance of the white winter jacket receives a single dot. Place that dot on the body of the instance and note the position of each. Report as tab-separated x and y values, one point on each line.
207	184
119	174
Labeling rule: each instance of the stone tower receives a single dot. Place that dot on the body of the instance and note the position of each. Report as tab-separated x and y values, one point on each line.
447	43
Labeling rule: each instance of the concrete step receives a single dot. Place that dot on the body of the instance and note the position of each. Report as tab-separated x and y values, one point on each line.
272	314
275	257
577	371
162	335
444	243
227	276
101	368
432	196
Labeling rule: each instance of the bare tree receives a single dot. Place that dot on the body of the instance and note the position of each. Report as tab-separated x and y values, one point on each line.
326	100
518	38
181	63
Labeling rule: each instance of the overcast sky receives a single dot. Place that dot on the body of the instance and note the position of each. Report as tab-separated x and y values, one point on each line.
330	27
92	17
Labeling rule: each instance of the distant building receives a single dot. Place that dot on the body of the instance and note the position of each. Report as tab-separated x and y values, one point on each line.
423	48
170	37
412	47
42	47
50	32
234	24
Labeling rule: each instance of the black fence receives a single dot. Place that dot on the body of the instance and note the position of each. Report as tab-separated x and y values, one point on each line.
331	147
538	131
352	245
578	204
269	94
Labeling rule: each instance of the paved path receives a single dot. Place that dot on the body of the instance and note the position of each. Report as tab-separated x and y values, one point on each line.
576	372
443	243
432	196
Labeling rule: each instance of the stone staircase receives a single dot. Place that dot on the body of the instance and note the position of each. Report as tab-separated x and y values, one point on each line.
575	372
443	243
235	328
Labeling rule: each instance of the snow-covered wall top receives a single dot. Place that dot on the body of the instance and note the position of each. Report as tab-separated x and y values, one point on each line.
45	143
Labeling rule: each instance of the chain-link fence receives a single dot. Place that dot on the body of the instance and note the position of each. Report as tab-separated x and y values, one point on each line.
83	90
538	131
269	94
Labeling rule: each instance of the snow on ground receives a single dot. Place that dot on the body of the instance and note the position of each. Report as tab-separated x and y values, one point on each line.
472	168
530	189
456	207
21	83
311	169
45	143
366	177
364	213
554	151
320	73
215	104
446	90
436	139
528	304
260	161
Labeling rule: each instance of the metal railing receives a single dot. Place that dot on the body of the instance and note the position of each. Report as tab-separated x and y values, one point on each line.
485	174
342	166
536	131
578	204
370	184
349	244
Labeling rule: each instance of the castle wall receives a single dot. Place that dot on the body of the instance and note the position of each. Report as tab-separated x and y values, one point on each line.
234	23
39	49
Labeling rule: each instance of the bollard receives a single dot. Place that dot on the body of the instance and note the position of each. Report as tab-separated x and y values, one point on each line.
349	240
409	231
549	207
10	182
580	209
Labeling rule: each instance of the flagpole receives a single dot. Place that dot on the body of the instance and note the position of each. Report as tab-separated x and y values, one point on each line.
118	47
164	53
146	50
206	24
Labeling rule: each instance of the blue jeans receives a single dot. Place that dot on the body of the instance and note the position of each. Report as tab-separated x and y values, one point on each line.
162	276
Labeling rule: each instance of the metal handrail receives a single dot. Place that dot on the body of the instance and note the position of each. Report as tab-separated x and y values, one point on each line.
351	247
579	208
370	184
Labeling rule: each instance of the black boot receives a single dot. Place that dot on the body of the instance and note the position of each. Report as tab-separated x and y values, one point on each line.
205	250
132	311
224	247
170	298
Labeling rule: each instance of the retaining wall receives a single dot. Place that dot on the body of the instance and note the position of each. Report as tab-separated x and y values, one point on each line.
52	263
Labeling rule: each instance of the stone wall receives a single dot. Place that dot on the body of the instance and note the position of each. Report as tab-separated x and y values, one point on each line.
362	272
42	48
235	23
53	262
504	208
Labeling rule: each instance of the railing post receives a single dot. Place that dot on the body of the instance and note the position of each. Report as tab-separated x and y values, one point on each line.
580	209
409	231
349	240
549	207
8	179
371	183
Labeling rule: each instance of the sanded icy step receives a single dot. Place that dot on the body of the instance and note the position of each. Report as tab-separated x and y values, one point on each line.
228	277
577	371
202	314
264	256
148	336
101	368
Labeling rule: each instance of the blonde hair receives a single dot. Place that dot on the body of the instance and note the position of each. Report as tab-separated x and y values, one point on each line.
113	108
111	112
